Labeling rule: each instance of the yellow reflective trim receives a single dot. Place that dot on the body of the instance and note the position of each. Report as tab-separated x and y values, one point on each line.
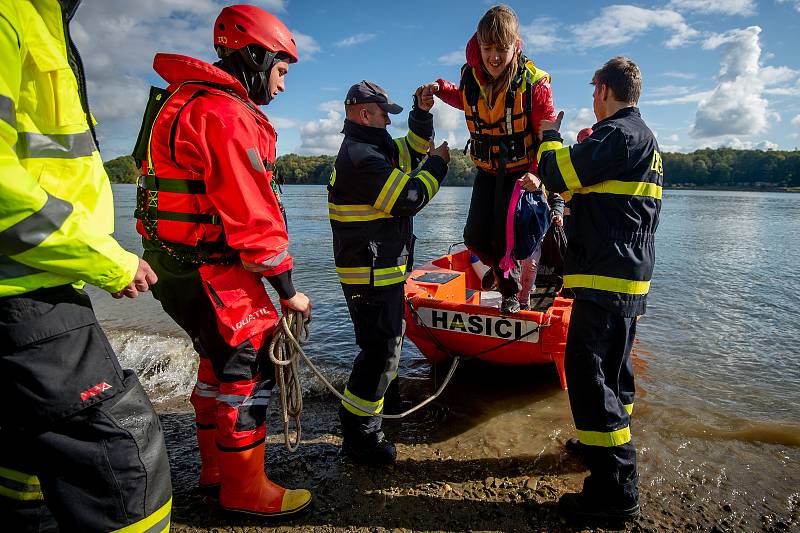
387	190
354	213
628	188
332	179
157	521
396	192
605	283
404	155
564	162
19	477
429	181
417	143
389	276
370	408
606	439
545	146
20	495
628	408
354	275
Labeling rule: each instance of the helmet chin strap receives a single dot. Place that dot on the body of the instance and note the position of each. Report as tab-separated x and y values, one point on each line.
252	75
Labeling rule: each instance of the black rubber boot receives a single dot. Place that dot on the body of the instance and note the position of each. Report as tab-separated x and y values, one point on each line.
578	507
393	402
363	441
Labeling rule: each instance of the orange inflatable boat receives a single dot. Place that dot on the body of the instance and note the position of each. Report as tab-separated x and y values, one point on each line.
447	314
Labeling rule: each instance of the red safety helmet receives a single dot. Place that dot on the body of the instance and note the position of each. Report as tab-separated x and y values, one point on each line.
240	25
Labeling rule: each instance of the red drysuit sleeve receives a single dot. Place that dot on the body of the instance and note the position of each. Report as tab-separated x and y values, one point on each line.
449	94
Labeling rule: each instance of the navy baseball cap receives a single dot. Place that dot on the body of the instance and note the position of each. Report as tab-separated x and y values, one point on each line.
365	92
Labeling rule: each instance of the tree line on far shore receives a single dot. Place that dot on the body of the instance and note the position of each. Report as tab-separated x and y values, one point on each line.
712	168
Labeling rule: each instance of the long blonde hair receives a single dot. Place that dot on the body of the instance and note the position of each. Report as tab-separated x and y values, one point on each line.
499	26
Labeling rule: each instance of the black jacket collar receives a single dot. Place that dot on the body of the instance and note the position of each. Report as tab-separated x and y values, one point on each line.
624	112
368	134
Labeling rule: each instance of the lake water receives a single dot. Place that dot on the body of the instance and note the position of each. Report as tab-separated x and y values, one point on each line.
717	355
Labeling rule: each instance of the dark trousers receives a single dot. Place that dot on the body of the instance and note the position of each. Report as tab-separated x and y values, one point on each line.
81	448
234	382
485	231
378	319
601	389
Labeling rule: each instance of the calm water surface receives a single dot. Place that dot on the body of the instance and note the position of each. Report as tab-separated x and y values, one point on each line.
716	357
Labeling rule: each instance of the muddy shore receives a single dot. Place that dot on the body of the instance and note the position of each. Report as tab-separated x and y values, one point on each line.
478	490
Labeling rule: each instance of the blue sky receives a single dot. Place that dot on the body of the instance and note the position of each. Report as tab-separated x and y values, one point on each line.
716	72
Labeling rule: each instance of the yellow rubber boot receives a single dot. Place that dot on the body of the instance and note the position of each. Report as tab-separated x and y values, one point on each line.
246	489
209	460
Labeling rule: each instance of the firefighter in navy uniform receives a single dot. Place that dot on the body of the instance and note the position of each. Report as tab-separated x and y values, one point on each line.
614	178
212	227
376	187
81	448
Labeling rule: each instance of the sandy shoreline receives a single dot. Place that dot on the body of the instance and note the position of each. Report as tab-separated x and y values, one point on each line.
430	491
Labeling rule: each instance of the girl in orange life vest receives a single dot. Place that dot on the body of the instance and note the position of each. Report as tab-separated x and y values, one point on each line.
504	98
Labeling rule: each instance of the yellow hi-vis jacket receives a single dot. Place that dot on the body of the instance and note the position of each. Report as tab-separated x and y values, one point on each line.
56	210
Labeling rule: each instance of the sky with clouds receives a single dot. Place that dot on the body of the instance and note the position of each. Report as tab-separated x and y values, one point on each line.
716	72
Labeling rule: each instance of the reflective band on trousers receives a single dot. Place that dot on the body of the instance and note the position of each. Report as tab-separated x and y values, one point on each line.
564	162
429	181
57	145
628	408
158	522
391	190
35	228
355	213
628	188
235	401
206	390
605	283
389	276
354	275
7	112
606	439
19	486
370	407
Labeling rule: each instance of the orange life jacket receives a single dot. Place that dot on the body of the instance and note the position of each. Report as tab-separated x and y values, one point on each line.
500	137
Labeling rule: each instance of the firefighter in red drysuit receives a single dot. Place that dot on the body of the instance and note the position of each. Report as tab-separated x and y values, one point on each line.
212	227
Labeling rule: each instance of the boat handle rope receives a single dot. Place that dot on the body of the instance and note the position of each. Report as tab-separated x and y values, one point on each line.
285	351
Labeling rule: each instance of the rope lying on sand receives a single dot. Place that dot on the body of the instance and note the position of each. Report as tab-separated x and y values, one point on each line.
285	351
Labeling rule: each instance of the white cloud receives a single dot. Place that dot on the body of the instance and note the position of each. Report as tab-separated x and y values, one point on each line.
684	99
282	123
796	3
307	46
449	125
722	7
356	39
574	122
621	24
680	75
542	34
331	105
670	90
322	136
796	120
736	106
453	58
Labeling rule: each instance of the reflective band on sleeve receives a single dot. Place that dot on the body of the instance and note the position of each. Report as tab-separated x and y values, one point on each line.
19	486
255	160
404	155
545	146
391	190
605	439
58	146
157	522
417	143
628	408
429	181
605	283
236	400
628	188
568	173
34	229
354	275
370	408
354	213
10	269
276	260
389	276
7	112
206	390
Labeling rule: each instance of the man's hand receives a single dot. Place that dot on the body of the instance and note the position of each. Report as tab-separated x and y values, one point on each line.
530	182
424	96
558	221
442	151
144	278
299	302
551	124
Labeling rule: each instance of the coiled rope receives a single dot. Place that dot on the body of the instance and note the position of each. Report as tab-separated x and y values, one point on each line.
285	351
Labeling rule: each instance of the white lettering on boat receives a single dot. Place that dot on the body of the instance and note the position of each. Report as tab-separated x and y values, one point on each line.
499	327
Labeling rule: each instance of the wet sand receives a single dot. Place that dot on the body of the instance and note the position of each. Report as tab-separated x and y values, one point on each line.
462	467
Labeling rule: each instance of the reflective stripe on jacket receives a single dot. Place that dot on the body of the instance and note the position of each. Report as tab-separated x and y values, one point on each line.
56	209
614	180
376	187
